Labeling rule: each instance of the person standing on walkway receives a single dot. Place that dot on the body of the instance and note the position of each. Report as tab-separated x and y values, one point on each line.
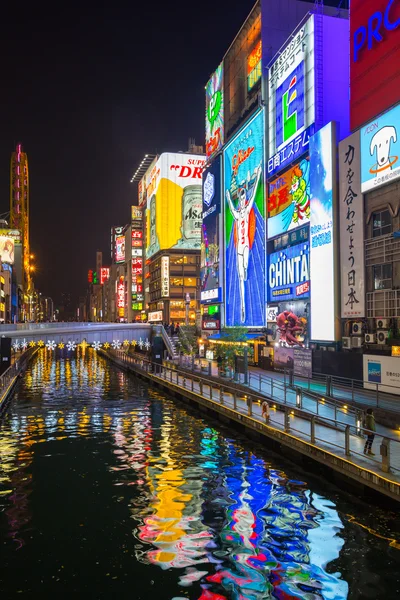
370	425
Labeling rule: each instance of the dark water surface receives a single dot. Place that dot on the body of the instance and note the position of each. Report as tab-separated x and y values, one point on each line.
108	489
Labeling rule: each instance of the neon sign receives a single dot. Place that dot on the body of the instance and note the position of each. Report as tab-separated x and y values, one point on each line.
121	294
372	33
254	66
289	273
215	112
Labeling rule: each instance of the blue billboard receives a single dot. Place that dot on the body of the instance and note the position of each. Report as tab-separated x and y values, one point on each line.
289	273
380	150
210	284
244	210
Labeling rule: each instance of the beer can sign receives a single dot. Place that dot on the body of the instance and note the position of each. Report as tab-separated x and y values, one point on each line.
192	205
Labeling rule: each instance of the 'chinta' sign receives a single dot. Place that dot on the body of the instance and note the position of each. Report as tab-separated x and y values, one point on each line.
215	112
291	99
351	228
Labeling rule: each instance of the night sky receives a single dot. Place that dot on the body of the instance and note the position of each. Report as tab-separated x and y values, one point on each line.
89	89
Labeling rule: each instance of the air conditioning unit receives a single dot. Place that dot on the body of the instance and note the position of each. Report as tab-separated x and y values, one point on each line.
346	342
382	336
356	328
370	338
356	342
382	323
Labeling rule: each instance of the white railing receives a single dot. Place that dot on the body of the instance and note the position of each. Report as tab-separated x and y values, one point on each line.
382	249
383	303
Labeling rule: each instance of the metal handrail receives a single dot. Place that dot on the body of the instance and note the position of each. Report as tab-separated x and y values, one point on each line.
159	369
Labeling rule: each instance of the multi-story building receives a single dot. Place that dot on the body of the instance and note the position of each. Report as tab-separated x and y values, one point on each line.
171	199
19	221
268	99
173	288
369	179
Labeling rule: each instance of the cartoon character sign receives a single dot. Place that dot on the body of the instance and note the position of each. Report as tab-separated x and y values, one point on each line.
289	199
291	328
380	150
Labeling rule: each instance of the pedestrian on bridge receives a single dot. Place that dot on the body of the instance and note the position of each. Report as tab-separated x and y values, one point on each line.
370	427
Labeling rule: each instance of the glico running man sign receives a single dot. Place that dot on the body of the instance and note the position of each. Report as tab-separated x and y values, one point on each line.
245	226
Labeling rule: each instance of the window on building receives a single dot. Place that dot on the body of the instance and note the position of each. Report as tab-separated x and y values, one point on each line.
381	223
383	277
176	281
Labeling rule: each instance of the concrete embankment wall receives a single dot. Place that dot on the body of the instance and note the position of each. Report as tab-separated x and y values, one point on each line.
358	479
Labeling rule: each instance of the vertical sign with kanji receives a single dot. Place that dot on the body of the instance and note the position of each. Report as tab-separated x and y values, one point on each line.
351	214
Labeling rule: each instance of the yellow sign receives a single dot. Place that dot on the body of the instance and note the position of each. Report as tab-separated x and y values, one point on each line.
174	208
395	350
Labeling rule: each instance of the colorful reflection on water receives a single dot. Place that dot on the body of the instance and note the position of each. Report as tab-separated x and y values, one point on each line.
108	487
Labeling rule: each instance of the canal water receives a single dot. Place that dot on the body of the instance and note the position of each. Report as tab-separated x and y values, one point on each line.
110	489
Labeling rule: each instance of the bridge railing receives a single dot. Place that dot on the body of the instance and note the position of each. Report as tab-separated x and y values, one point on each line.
11	373
334	435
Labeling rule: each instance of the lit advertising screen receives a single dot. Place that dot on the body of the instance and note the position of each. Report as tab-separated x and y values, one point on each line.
120	248
209	261
374	58
148	182
136	216
174	209
115	233
244	207
104	274
7	246
380	150
289	273
322	230
254	66
291	99
289	199
215	112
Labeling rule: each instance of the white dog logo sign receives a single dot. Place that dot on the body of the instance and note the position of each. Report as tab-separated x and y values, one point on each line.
380	145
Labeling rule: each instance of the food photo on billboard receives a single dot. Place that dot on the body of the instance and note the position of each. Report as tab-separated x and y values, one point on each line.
244	207
292	323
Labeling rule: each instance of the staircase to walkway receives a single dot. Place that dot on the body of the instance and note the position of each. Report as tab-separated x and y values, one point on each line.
170	341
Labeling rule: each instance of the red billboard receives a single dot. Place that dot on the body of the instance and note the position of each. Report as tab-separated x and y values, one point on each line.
374	58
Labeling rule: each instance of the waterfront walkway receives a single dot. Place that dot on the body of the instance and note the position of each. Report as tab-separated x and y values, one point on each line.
332	435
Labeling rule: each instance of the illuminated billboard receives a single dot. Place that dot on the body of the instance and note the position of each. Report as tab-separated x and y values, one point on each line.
254	66
115	232
164	276
244	208
351	219
289	199
120	300
120	248
148	182
292	99
380	150
104	274
322	236
210	284
215	112
289	273
374	58
174	209
7	246
136	217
